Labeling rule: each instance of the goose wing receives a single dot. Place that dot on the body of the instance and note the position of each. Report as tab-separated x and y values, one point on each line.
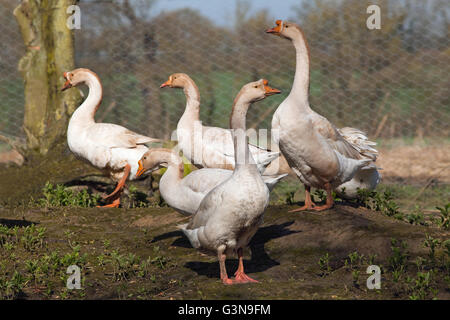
114	136
334	138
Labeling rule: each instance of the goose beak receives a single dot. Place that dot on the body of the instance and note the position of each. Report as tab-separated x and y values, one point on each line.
269	90
141	169
168	83
276	30
67	84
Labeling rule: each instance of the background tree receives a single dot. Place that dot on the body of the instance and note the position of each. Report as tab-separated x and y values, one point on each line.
49	53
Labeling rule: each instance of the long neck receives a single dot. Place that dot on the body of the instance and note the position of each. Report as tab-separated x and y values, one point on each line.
242	155
86	111
175	167
300	87
192	111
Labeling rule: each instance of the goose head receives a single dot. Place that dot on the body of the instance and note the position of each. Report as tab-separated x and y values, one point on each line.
153	159
76	77
255	91
177	80
284	29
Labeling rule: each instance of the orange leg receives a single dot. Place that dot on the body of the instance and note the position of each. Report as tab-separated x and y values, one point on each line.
240	276
121	183
115	202
223	271
309	204
115	195
330	200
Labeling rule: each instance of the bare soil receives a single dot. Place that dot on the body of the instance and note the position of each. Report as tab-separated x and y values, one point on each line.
283	255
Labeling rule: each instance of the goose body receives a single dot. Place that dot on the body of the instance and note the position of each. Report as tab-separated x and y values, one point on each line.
321	155
113	149
205	146
231	213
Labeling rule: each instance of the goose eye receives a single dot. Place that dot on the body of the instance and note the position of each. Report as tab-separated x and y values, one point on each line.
256	87
145	158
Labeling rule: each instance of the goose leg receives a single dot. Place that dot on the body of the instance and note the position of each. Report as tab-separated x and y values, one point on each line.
330	200
309	204
239	275
115	202
120	184
223	270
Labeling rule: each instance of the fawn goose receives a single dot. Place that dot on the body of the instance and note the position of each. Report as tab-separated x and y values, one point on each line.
207	147
231	213
321	155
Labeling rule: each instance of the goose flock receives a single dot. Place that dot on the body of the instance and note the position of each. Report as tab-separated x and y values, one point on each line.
227	196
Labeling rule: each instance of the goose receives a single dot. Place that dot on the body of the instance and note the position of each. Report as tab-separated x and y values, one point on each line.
185	194
207	147
324	157
109	147
231	213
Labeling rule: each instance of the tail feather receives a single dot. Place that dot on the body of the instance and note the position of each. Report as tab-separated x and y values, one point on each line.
360	142
272	180
191	234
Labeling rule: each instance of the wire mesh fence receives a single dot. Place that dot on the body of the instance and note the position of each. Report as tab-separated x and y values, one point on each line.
391	83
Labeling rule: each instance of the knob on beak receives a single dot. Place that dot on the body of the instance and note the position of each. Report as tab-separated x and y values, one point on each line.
277	29
67	84
140	170
269	90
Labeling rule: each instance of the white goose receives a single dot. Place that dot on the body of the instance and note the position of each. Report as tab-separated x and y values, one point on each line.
207	147
185	194
321	155
232	212
109	147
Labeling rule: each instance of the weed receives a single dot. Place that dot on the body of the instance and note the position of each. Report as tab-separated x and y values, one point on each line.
420	262
431	243
32	237
290	197
159	260
324	263
446	245
61	196
12	288
380	202
320	194
444	216
372	259
355	276
137	199
420	287
397	273
417	217
74	258
399	256
123	266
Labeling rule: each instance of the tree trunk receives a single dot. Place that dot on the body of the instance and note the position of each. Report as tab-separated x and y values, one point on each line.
49	53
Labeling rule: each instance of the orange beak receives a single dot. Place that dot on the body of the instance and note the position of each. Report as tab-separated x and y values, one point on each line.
269	90
67	84
141	169
168	83
276	30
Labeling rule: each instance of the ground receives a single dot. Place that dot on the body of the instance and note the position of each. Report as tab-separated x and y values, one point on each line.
138	253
